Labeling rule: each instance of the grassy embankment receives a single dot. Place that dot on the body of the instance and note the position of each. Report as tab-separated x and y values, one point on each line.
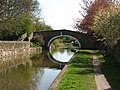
111	69
79	74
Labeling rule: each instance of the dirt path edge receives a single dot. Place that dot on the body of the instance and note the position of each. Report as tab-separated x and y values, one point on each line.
100	79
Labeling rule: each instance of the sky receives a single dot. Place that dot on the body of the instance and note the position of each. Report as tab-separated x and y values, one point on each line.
60	13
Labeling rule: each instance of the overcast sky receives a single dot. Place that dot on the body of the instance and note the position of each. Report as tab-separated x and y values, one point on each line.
60	13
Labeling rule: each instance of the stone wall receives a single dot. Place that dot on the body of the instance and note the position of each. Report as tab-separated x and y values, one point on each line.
8	48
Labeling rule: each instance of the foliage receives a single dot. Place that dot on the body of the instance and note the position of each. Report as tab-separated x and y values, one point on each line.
102	19
79	74
13	8
44	26
27	25
37	40
57	43
16	17
41	25
90	7
12	29
106	24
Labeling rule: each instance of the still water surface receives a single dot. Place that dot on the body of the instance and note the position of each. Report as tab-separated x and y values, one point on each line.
31	71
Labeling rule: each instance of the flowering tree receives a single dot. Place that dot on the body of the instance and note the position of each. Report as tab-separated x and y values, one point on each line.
102	18
107	24
90	8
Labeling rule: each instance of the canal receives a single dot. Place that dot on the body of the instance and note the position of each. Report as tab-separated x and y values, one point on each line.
32	71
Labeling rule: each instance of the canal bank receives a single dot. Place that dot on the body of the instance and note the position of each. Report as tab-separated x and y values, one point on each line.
31	70
56	81
78	74
27	71
10	48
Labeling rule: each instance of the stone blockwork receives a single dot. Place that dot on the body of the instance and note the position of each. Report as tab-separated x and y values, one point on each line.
86	41
8	48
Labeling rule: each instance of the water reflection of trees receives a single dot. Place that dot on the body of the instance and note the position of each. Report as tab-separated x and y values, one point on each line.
17	73
23	71
44	61
19	79
64	42
13	61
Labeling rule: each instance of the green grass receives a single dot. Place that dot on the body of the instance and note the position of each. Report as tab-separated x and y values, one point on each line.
111	70
79	74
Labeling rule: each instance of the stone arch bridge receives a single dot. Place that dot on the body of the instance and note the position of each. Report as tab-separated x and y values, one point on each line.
85	41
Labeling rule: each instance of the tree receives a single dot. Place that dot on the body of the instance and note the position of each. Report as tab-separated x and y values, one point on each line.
90	8
13	8
102	18
16	17
44	26
106	25
41	25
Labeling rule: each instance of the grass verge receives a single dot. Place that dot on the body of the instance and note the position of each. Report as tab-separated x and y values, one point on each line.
111	69
79	74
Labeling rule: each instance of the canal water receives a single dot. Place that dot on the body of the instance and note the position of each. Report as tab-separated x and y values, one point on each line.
32	71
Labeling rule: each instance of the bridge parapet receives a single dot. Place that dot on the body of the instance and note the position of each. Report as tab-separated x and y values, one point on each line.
86	41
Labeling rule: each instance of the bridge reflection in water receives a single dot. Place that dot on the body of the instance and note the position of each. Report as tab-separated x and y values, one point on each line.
28	71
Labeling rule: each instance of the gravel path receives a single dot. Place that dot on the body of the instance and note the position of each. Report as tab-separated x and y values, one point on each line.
100	79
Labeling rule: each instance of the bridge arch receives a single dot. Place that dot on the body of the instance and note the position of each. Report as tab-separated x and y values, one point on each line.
85	41
58	36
